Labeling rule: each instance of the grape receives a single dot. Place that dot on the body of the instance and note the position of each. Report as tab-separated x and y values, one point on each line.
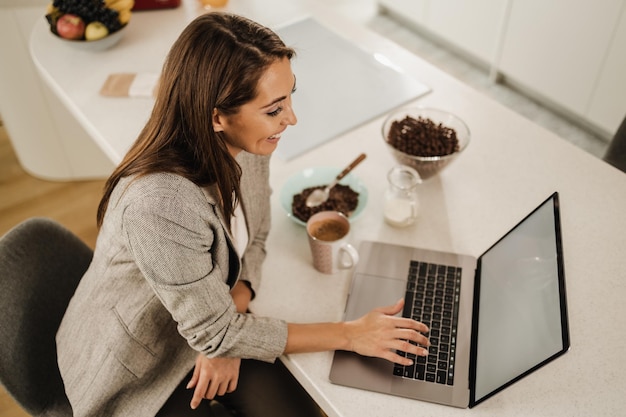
90	11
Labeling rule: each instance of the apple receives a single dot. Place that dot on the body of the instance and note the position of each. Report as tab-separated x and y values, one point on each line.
70	26
95	31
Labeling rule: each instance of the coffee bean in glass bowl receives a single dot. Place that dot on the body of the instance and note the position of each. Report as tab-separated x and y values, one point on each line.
425	139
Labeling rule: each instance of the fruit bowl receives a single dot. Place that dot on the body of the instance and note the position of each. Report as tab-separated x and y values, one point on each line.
425	139
95	45
89	24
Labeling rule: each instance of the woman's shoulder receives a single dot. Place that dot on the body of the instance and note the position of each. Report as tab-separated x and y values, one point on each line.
151	198
156	181
158	185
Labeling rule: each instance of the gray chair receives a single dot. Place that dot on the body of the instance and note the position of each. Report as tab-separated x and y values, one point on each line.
41	264
616	152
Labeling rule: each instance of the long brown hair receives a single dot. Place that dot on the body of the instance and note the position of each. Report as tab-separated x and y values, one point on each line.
215	63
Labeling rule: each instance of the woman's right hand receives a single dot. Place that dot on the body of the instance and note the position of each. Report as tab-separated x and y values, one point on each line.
213	377
380	334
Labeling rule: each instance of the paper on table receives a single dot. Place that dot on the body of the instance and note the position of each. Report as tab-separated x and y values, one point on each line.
130	85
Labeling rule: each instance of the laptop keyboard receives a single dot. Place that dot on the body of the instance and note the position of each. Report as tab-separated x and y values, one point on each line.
432	297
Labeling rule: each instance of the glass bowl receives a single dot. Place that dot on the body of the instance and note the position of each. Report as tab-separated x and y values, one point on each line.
427	166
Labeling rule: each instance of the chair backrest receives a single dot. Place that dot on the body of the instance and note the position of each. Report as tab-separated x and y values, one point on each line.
616	152
41	264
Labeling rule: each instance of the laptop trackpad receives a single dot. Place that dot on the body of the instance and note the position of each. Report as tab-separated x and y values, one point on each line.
349	368
370	292
358	371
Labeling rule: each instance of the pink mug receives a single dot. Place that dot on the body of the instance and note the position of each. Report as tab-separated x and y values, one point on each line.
328	238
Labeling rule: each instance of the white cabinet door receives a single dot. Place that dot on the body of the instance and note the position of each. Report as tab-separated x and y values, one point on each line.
608	103
556	48
413	11
472	25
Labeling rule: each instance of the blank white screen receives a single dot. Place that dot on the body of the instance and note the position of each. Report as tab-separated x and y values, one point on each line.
519	324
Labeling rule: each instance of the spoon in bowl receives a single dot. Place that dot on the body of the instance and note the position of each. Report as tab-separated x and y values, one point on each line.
320	195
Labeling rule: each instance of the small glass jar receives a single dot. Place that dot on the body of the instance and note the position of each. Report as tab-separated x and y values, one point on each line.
401	199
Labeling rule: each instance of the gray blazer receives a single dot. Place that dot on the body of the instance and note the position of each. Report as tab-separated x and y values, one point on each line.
157	293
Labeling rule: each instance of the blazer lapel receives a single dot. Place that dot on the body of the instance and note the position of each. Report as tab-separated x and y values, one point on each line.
211	195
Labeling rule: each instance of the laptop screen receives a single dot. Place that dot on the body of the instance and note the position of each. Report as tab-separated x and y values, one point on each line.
521	320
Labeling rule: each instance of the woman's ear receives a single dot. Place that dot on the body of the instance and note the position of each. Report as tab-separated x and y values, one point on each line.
218	121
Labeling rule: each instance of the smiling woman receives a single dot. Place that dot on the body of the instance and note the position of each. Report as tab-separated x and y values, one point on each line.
257	126
161	316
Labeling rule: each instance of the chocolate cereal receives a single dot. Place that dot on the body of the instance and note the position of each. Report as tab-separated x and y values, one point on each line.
422	137
341	198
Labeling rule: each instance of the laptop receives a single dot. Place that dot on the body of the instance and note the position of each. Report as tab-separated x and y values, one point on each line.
492	319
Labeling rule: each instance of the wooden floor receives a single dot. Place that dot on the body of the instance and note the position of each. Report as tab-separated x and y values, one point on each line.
73	204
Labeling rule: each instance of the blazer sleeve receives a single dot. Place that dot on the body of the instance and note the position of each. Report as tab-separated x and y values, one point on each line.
179	245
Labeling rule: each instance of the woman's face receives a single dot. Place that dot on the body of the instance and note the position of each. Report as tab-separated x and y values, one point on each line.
258	125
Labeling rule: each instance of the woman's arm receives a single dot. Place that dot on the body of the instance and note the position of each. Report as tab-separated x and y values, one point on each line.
242	295
379	333
217	376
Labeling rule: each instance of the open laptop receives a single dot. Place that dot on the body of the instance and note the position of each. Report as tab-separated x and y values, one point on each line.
493	320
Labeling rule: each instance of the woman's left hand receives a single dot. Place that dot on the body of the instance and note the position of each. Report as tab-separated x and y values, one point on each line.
213	377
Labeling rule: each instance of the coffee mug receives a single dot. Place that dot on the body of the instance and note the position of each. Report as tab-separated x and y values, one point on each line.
328	234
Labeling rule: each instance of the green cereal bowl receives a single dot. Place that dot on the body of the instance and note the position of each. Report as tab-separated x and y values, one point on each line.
322	175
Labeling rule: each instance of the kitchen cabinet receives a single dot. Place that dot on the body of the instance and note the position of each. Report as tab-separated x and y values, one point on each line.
557	47
568	54
471	26
413	11
608	101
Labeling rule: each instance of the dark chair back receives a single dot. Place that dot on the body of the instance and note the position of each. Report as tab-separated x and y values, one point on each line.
41	264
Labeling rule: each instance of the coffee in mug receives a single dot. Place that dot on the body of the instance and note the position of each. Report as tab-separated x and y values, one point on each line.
329	229
328	232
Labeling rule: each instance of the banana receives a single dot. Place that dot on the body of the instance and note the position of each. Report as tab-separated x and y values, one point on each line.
120	5
51	9
124	16
108	3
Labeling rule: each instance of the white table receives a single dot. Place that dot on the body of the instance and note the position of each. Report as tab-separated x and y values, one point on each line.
510	166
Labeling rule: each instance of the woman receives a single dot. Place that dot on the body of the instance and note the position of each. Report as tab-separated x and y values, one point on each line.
161	312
